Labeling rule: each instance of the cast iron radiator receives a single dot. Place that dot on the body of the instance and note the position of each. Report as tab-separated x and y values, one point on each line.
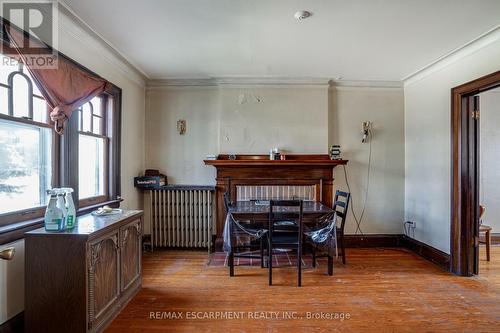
182	217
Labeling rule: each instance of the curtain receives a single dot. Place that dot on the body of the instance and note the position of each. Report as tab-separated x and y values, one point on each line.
65	87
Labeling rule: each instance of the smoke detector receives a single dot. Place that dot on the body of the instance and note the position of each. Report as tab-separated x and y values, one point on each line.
302	15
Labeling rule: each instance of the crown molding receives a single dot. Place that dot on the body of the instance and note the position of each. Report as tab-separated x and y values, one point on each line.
268	81
192	82
84	33
476	44
366	84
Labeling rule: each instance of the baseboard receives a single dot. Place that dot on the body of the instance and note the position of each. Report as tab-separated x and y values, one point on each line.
428	252
374	240
495	238
14	324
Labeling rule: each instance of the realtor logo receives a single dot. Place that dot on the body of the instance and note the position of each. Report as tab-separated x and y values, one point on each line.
31	31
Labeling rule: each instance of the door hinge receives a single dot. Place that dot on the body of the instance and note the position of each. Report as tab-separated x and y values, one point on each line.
475	114
476	241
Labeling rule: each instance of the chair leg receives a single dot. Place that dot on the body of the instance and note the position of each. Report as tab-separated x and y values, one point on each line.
270	262
231	263
488	244
261	252
330	265
314	257
343	248
299	266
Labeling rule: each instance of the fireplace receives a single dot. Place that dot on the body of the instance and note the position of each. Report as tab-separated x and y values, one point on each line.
249	177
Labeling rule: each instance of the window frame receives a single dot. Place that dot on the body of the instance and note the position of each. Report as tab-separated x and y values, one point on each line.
70	139
106	109
32	212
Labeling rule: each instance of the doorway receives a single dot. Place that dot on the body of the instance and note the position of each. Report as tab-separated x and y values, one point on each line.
465	160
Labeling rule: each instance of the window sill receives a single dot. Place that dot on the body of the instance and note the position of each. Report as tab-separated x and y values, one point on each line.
15	231
87	209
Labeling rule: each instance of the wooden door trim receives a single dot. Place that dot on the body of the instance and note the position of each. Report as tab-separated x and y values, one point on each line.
461	240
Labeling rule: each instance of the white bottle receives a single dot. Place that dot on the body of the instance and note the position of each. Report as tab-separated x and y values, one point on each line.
53	215
62	206
70	207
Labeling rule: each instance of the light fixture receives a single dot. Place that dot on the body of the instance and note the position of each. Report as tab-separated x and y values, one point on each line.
302	15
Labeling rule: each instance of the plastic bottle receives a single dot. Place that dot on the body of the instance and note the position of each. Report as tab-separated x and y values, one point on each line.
53	215
70	207
62	206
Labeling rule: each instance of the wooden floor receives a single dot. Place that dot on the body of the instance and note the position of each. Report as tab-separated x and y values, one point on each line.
381	290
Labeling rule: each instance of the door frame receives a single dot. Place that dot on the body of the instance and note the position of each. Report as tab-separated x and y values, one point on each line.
464	165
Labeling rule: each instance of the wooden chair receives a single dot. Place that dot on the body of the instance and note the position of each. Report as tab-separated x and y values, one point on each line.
236	248
341	206
486	230
285	235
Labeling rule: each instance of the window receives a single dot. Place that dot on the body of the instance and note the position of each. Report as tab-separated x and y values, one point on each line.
33	158
26	141
92	150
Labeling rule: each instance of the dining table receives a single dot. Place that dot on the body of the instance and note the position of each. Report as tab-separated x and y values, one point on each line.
260	208
256	212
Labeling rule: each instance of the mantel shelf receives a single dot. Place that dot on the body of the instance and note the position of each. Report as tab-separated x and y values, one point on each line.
317	160
271	163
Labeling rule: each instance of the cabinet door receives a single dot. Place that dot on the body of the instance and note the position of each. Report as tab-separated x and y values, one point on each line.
130	236
104	277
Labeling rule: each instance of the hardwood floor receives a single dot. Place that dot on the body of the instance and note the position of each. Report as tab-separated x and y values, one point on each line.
382	290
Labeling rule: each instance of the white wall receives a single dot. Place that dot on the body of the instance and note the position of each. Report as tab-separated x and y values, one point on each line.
81	46
298	119
428	142
349	107
490	157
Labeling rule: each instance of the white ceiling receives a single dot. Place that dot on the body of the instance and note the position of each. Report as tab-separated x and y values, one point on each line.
353	39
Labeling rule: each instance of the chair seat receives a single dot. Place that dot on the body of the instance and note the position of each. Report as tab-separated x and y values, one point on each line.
285	224
285	238
484	228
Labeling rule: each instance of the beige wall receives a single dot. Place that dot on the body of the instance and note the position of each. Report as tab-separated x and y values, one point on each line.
230	120
253	120
490	157
427	141
349	107
299	119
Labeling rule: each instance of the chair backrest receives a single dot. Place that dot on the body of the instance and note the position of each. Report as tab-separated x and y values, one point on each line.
285	210
227	202
482	209
341	206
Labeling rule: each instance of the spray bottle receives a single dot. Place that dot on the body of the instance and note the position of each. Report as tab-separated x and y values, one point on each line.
70	208
53	216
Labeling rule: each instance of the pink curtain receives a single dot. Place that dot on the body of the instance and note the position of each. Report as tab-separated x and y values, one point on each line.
65	88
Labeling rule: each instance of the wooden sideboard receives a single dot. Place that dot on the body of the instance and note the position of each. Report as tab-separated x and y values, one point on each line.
300	170
79	280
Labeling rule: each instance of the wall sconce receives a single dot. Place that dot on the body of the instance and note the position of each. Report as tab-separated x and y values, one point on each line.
181	126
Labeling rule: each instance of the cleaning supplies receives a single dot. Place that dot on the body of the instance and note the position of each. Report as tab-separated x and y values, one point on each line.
54	218
70	208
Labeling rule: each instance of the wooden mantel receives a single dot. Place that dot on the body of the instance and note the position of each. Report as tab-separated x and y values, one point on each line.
296	169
